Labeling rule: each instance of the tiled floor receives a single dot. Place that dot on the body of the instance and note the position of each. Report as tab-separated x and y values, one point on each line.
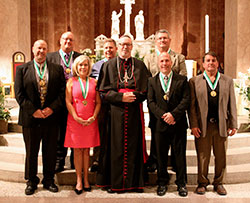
14	192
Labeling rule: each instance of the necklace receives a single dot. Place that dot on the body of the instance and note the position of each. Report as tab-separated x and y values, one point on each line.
126	77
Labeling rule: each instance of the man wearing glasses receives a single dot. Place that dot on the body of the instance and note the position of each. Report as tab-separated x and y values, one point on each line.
64	57
123	84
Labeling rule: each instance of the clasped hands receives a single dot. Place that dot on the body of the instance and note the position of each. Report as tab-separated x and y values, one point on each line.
128	97
85	122
168	118
43	113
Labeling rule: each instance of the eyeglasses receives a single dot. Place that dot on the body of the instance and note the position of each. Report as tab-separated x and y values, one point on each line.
125	44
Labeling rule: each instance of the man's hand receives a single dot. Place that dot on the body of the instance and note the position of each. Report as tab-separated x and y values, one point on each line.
168	118
196	132
38	114
128	97
231	131
47	112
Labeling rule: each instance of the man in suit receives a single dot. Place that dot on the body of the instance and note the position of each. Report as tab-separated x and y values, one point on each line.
64	57
40	90
110	50
212	117
162	43
168	100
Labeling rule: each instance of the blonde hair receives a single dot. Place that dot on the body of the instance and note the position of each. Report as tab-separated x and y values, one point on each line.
78	60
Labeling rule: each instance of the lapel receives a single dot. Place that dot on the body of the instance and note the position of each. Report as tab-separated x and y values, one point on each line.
222	86
201	89
158	84
58	58
50	76
33	75
173	57
173	84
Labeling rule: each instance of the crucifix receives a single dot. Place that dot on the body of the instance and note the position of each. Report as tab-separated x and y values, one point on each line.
126	78
128	9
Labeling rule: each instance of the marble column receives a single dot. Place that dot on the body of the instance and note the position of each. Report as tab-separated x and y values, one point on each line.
237	37
15	34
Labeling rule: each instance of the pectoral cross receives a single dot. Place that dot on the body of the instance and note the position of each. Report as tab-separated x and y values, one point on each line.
126	76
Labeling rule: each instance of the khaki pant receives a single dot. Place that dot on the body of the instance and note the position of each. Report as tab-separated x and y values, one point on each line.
203	149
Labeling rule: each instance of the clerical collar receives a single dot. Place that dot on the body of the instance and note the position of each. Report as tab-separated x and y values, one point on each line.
158	52
125	59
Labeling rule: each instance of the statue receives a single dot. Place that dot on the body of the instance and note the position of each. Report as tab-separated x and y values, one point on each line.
128	10
115	30
139	26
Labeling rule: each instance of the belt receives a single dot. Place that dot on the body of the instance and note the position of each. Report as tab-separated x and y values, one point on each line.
212	120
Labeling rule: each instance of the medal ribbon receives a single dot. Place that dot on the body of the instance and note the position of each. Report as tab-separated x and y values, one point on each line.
158	52
86	89
165	86
211	85
38	69
63	58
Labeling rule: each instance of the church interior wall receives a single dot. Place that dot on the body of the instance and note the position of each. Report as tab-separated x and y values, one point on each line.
24	21
14	34
88	19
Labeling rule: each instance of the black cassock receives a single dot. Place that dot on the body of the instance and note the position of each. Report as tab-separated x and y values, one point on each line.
123	151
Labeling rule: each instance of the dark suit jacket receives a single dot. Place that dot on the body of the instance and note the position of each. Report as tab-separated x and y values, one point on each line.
179	100
55	57
28	96
199	104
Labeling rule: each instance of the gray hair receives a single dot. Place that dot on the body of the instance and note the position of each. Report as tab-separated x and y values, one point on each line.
163	31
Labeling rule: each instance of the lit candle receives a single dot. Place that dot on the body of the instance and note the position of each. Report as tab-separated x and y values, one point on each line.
206	33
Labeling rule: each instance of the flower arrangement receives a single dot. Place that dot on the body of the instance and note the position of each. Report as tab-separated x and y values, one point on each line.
244	88
88	53
4	112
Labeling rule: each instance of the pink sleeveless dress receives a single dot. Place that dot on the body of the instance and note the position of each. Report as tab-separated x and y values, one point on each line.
77	135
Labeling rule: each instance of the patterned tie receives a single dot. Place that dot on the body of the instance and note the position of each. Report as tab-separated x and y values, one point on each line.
166	80
43	86
67	58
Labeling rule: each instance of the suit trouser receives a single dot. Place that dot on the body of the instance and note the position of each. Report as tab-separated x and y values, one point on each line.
177	140
153	157
32	138
203	149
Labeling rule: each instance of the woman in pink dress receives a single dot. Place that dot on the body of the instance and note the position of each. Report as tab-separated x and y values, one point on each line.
83	103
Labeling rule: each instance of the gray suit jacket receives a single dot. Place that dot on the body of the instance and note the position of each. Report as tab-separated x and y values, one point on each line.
199	104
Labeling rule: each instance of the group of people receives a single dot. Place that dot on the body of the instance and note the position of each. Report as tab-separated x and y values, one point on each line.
65	102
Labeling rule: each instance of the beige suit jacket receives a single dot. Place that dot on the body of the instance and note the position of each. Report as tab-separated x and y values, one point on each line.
178	63
199	104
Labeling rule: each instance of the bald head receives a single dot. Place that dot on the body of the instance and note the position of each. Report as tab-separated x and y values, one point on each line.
39	50
164	63
67	42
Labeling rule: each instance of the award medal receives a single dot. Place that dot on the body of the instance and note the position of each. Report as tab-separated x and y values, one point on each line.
84	90
166	96
211	85
166	87
213	93
42	82
67	64
68	70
